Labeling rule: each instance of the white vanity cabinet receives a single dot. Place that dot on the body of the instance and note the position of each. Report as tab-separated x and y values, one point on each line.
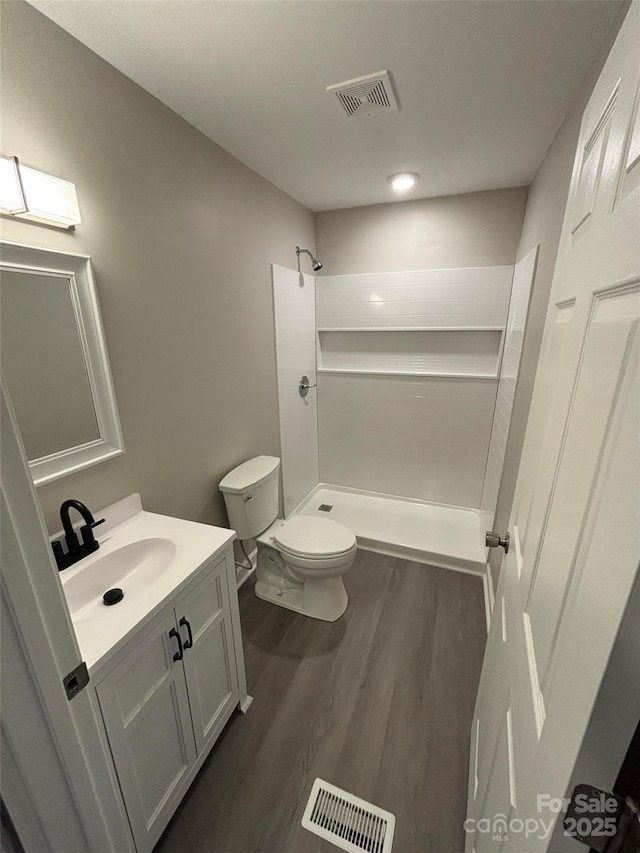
168	696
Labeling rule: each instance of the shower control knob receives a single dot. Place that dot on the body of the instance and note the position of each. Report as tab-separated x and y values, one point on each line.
304	385
494	540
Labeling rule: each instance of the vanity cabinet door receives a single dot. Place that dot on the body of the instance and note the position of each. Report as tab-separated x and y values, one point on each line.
145	708
210	667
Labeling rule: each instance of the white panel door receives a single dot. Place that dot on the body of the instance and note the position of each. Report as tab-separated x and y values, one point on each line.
212	683
144	703
294	302
575	538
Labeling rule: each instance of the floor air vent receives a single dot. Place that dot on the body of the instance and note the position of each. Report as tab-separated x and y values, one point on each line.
347	821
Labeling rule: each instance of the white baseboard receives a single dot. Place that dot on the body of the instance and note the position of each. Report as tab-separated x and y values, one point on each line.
243	707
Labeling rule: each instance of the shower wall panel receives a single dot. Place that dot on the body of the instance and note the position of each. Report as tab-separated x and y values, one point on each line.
294	316
523	275
419	437
411	415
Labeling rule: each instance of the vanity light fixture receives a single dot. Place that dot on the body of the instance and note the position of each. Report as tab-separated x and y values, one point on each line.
30	194
403	180
11	195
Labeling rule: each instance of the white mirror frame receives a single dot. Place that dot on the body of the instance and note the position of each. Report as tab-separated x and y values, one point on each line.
21	257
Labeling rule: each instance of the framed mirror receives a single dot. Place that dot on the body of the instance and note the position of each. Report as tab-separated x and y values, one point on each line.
54	360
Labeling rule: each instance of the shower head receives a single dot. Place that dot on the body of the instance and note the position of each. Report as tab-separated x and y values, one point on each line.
316	265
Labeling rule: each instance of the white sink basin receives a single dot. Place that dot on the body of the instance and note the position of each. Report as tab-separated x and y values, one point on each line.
132	568
150	557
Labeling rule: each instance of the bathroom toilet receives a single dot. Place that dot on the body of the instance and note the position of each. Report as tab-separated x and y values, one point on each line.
301	560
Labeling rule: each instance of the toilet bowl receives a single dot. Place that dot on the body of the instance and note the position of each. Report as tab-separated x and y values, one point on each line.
300	565
301	560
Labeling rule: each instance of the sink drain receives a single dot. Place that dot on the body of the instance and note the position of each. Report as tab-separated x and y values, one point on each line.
113	596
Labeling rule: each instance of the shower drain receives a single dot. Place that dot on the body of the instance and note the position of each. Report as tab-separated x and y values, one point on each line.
346	821
325	507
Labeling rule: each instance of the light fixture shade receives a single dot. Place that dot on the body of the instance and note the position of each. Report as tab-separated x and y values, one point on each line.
49	198
402	181
11	198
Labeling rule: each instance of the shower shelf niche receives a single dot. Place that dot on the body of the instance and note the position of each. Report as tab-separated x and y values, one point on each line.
468	353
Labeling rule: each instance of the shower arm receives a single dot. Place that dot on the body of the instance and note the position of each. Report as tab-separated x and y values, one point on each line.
315	263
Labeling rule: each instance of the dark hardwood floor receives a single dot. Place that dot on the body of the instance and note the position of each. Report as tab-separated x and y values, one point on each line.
378	703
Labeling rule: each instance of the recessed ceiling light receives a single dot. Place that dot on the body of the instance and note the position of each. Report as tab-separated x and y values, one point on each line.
403	180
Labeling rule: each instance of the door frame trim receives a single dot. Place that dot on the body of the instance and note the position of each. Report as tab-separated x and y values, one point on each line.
33	596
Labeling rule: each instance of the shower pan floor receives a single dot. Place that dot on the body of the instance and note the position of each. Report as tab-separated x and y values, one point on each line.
447	536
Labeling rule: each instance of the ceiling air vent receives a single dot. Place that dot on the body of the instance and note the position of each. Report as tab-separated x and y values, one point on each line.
366	96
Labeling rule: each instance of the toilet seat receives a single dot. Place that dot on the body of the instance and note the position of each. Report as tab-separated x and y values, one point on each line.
327	567
314	539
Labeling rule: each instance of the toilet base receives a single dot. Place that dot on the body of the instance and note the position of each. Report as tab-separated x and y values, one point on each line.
324	599
279	583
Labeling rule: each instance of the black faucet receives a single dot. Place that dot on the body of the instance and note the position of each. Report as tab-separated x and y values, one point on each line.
75	551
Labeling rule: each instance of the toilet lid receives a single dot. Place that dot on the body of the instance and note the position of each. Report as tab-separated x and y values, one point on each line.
306	535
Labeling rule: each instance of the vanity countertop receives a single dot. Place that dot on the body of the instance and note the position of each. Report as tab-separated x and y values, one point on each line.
193	546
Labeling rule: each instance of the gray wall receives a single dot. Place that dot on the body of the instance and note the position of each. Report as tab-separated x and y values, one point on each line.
182	237
542	224
470	230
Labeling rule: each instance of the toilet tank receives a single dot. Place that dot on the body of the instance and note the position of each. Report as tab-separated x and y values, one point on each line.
251	495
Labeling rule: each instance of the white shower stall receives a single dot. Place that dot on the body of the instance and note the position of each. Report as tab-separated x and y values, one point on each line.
403	439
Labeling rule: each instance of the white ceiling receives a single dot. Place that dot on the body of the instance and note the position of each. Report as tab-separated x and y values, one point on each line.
483	86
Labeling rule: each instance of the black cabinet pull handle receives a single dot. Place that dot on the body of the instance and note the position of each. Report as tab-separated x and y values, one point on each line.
179	654
189	643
